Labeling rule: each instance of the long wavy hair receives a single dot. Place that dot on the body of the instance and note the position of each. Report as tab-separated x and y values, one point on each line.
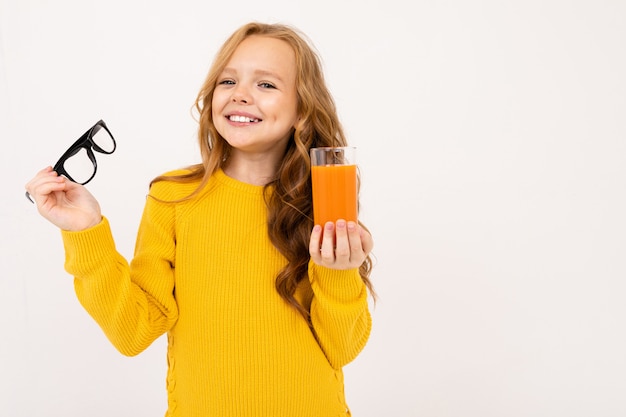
290	205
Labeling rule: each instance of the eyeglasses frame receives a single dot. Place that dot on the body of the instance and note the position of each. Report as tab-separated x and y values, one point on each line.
84	142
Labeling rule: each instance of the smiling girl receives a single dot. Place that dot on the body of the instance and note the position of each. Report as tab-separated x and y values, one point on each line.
261	312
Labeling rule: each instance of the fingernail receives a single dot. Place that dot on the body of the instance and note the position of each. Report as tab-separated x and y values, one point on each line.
351	225
317	228
341	224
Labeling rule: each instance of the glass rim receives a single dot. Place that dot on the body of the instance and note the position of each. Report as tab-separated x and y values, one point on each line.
333	147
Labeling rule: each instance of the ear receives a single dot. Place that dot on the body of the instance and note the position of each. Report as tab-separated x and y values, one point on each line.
298	122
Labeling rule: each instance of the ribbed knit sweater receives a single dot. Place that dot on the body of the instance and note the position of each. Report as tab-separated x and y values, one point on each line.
204	272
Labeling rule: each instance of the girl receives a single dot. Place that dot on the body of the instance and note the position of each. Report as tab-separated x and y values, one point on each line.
261	309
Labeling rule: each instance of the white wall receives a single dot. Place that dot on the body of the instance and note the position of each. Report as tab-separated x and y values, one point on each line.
492	140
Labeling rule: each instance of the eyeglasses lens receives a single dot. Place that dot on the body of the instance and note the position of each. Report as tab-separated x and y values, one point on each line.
103	140
79	166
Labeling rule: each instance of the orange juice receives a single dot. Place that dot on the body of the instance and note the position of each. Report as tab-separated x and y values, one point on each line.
334	193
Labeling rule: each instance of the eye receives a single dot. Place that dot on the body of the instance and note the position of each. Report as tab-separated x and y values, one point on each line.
226	82
266	85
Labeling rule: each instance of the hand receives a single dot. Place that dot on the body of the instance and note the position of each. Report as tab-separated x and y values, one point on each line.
342	246
64	203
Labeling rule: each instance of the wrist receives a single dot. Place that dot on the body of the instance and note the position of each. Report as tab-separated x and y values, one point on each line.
82	226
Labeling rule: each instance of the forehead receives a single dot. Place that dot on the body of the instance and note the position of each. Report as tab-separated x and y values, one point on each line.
264	53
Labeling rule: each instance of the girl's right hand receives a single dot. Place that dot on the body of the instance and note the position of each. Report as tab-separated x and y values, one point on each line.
64	203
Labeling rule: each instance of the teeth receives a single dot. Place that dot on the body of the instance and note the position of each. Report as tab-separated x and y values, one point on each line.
242	119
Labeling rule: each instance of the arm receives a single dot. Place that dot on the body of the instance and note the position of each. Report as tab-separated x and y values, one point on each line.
339	313
339	310
133	305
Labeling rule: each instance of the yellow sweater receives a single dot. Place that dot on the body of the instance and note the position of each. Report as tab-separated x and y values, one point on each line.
204	271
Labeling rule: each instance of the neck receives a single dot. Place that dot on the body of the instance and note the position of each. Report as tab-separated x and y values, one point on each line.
255	172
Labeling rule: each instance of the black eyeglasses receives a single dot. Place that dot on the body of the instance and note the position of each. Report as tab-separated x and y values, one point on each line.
78	163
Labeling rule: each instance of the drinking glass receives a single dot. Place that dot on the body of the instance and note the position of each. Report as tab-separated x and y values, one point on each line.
334	181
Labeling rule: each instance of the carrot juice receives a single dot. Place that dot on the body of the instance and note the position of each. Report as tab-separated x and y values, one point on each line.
334	193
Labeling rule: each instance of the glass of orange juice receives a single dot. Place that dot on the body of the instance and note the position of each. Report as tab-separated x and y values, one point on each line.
334	181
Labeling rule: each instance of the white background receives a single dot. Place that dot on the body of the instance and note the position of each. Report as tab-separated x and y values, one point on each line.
492	145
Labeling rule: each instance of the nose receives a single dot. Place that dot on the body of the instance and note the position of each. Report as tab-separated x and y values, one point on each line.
241	95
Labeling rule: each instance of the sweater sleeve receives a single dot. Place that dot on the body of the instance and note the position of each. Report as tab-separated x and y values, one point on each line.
339	313
133	304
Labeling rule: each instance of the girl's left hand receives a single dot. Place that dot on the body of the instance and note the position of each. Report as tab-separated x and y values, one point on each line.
343	245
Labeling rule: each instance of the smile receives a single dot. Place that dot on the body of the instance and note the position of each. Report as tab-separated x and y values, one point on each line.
242	119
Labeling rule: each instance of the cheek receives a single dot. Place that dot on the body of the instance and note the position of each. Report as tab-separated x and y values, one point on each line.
218	101
287	110
214	105
216	108
216	115
293	105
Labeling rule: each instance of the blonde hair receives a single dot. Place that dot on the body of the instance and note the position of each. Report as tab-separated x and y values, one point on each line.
290	202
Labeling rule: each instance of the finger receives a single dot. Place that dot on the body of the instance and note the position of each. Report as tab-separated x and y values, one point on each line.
71	185
41	183
40	187
328	243
354	237
315	243
40	174
367	242
44	171
342	244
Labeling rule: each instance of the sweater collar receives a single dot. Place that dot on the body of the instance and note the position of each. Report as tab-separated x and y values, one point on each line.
224	179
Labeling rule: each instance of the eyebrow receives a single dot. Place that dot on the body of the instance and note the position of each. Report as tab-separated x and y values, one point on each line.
257	72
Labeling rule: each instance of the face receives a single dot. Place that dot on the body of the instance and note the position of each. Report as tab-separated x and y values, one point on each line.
255	101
